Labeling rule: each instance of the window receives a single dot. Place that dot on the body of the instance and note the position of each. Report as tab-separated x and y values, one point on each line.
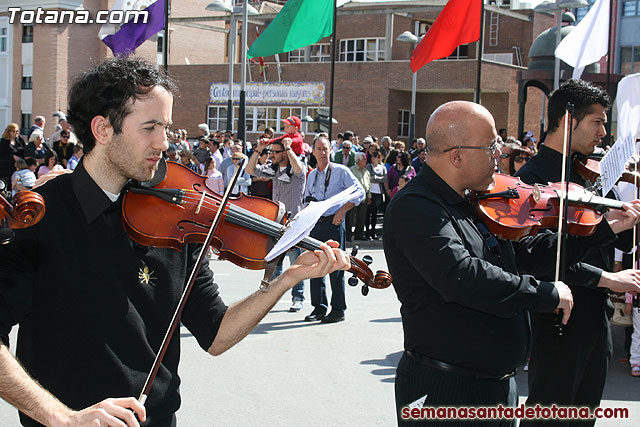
403	123
26	83
630	8
25	123
27	34
258	118
160	46
319	52
3	39
629	59
461	52
582	11
362	50
217	118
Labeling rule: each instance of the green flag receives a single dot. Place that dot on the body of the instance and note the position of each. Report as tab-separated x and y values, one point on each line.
299	24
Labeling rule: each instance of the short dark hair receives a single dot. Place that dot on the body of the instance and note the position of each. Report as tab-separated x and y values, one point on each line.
581	94
347	135
108	89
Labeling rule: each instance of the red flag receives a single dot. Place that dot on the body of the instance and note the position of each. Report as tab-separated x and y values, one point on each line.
261	59
458	23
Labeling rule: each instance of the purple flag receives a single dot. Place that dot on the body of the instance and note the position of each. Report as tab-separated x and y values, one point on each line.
132	34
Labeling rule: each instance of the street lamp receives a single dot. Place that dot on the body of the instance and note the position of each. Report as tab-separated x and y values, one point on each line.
410	37
549	6
224	6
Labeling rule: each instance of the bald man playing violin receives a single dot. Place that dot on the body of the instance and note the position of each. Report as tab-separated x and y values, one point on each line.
87	340
465	295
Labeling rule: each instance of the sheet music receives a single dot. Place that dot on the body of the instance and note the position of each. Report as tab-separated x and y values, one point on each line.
302	224
612	164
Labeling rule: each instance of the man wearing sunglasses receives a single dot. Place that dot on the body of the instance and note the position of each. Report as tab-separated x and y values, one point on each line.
288	174
464	305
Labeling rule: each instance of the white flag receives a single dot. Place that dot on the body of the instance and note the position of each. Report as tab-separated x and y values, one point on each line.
589	41
628	103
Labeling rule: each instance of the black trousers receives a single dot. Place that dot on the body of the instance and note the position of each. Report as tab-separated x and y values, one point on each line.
570	370
414	380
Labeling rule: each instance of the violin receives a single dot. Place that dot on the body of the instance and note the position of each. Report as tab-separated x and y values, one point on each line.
180	209
27	209
588	167
512	209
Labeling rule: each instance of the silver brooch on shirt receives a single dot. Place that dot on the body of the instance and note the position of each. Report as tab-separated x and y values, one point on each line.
145	275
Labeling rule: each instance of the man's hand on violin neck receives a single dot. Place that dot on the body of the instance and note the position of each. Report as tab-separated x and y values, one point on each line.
625	218
566	301
318	263
622	281
120	412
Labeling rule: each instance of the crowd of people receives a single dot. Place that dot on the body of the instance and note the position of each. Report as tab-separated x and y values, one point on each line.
21	163
473	306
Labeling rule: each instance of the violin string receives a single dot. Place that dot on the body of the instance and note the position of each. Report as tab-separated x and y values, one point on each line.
248	219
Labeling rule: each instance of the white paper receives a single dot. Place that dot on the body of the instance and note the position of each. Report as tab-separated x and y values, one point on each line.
302	224
628	104
612	164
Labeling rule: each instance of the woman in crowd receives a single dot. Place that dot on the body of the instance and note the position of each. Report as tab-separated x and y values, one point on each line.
378	174
186	158
244	179
402	167
11	149
518	157
36	149
50	164
262	187
402	181
215	181
391	159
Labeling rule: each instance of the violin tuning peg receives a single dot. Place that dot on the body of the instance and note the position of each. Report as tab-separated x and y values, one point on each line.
367	259
365	290
354	250
353	280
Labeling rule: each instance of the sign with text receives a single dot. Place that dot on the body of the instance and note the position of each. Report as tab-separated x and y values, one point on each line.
266	93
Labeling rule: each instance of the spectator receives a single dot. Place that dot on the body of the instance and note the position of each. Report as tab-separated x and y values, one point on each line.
38	124
346	156
262	186
292	131
356	216
186	159
402	167
385	146
244	179
36	149
172	153
519	157
402	181
420	160
203	130
24	178
390	160
399	145
11	149
419	145
235	148
202	153
63	146
75	159
50	164
379	186
215	181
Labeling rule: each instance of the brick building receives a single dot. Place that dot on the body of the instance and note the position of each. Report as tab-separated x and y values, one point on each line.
373	80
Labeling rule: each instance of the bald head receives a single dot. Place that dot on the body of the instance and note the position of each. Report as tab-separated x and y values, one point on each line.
454	122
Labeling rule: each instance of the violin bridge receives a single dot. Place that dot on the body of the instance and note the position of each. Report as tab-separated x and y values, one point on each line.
535	193
204	194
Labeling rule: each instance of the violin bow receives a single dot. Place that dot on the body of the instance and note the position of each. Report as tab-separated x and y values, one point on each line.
187	290
564	206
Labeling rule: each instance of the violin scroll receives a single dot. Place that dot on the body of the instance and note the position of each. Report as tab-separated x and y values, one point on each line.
28	209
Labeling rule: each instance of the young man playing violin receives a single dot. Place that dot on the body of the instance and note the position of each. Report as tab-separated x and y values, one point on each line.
570	369
465	305
87	341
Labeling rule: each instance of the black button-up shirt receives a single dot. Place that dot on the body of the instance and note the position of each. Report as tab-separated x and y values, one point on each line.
461	302
91	317
546	167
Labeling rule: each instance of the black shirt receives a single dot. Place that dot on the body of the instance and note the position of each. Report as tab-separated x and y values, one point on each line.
90	324
546	167
462	303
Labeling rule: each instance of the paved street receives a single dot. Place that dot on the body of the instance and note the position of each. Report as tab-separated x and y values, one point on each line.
288	372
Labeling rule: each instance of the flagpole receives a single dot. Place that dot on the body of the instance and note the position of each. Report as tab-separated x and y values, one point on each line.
333	67
478	93
165	39
607	139
242	128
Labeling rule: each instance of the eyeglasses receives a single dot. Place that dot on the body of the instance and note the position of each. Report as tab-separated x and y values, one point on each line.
492	148
64	136
520	159
277	151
